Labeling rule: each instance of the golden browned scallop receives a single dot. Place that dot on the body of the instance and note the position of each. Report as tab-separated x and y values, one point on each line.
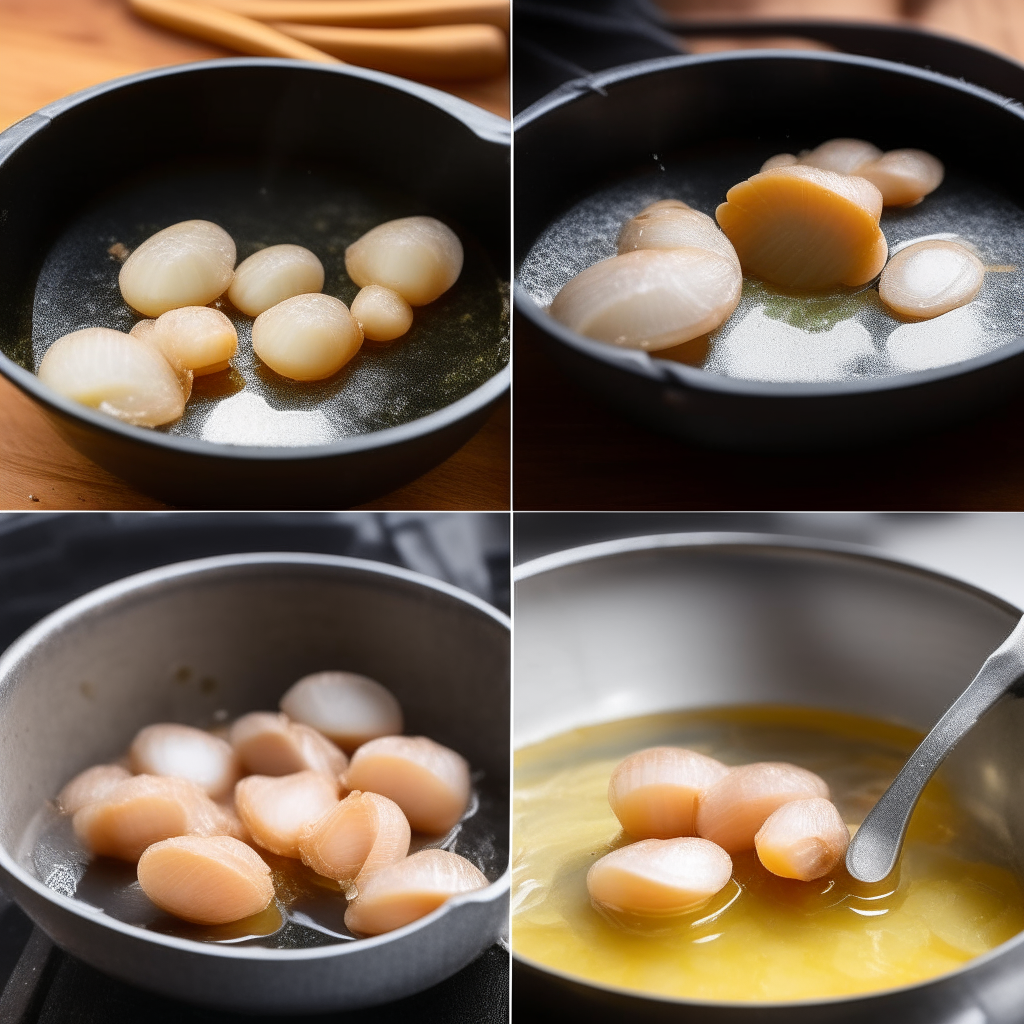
146	809
904	176
363	834
930	278
671	224
186	264
307	337
654	792
93	784
659	877
803	839
347	708
272	275
186	753
196	338
730	812
383	314
117	374
269	743
275	810
428	781
803	227
650	299
418	257
410	889
206	880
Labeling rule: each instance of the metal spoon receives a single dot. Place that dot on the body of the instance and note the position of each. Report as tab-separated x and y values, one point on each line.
875	848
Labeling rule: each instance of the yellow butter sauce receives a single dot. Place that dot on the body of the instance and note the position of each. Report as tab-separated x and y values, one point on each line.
762	938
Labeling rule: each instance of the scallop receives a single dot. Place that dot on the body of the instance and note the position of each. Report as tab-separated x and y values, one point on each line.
418	257
803	839
272	275
846	156
143	330
654	792
206	880
652	298
428	781
307	337
196	338
146	809
268	743
382	313
930	278
275	810
186	753
364	833
803	227
187	264
347	708
95	783
730	812
904	176
659	877
410	889
674	225
780	160
115	373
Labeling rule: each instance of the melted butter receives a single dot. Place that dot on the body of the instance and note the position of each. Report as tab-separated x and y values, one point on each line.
762	938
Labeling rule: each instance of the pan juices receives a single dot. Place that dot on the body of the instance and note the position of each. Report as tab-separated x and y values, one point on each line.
752	935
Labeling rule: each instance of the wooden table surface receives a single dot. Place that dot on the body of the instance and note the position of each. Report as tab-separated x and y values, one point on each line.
49	48
572	452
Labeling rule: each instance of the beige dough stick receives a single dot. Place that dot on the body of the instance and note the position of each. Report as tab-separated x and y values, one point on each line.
374	13
227	28
435	51
213	880
410	889
654	792
731	811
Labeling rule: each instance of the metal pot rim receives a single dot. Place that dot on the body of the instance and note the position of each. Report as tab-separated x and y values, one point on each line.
776	544
152	579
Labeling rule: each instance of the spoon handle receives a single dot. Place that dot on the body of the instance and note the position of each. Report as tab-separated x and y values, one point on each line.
875	848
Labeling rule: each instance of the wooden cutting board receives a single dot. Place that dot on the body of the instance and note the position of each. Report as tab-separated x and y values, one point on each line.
49	48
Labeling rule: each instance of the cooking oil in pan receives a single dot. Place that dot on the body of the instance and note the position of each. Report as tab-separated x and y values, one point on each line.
763	938
843	335
454	346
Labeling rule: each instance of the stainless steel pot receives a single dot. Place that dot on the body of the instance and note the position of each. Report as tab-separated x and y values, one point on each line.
649	624
231	633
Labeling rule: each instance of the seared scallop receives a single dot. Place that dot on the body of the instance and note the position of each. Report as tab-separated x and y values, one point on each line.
731	811
803	227
186	753
272	275
93	784
363	834
186	264
428	781
347	708
930	278
307	337
659	877
410	889
276	810
120	375
269	743
206	880
195	338
418	257
654	792
382	313
803	839
146	809
652	298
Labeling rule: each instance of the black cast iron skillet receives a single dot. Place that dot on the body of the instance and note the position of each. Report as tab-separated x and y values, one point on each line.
604	128
276	151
